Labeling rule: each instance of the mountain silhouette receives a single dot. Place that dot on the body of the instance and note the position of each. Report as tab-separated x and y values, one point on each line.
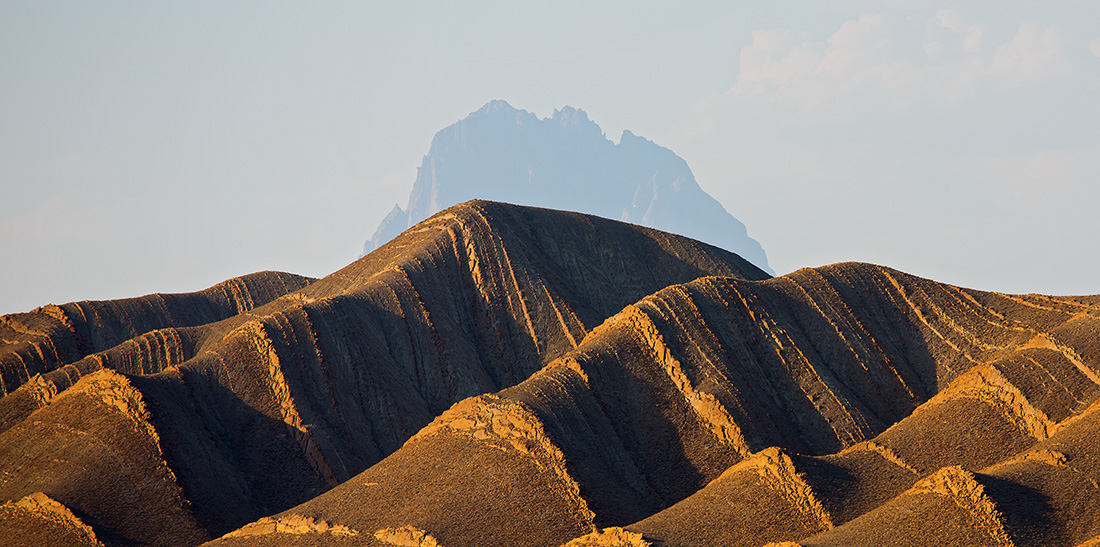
565	162
510	375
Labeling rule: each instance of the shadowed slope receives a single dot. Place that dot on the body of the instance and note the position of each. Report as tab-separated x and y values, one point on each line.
50	336
980	418
265	410
94	450
38	520
669	393
1050	491
661	415
1044	495
950	507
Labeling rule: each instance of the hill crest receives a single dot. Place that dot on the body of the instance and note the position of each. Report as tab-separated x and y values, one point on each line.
564	162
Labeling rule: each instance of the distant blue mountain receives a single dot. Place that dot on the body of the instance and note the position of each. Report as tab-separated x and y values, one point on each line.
501	153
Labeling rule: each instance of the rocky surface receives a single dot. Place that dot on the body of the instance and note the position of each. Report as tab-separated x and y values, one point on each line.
662	417
268	408
565	162
48	337
504	375
38	520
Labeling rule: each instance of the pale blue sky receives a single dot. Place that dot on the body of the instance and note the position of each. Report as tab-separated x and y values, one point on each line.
149	147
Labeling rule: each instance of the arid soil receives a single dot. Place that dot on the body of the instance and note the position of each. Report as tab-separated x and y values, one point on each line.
505	375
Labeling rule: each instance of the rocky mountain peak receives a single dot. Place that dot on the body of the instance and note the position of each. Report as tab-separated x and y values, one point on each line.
565	162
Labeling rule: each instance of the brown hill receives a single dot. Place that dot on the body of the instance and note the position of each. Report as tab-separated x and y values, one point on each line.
50	336
265	409
503	375
669	393
38	520
985	415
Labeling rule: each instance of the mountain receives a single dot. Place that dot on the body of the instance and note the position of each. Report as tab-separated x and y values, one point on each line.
733	412
565	162
243	416
508	375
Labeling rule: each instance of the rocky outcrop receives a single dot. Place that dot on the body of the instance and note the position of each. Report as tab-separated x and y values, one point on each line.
95	450
610	537
512	375
969	495
406	536
292	525
38	520
564	162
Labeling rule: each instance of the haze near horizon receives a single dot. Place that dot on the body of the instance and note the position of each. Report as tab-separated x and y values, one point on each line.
165	149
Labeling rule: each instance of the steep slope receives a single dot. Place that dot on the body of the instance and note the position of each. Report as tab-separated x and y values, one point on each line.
1049	493
762	498
564	162
509	375
268	408
94	451
980	418
674	390
950	507
38	520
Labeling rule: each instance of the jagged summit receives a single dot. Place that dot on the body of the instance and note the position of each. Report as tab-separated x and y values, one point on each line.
565	162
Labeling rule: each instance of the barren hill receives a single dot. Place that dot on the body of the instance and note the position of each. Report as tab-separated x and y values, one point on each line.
504	375
674	402
268	408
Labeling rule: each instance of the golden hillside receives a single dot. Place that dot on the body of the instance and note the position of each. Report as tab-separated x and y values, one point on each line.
504	375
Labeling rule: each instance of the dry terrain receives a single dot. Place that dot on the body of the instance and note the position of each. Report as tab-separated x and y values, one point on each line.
505	375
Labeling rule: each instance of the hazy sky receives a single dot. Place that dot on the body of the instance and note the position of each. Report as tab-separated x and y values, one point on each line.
164	147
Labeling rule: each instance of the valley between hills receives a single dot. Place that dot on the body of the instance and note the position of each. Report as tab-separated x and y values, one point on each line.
507	375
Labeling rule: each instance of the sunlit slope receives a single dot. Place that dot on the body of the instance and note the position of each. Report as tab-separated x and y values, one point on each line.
262	410
36	520
50	336
503	375
1044	495
94	451
1007	411
671	392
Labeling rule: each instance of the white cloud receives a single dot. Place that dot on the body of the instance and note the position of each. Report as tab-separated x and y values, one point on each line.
855	47
789	67
972	43
1094	47
776	58
873	54
949	19
1036	52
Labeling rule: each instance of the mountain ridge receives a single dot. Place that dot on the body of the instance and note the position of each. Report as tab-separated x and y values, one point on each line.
560	394
513	375
471	301
564	162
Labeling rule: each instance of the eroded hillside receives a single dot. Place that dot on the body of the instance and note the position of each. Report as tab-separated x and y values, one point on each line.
269	407
503	375
661	421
